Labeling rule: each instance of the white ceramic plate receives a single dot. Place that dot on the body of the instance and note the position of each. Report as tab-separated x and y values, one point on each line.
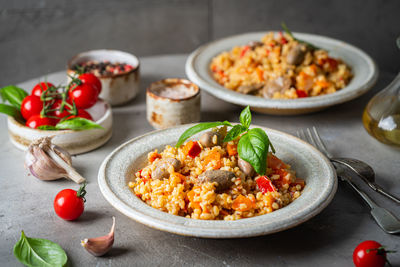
119	168
363	67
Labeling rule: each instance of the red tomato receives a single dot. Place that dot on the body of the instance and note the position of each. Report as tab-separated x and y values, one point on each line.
369	254
91	79
69	204
82	114
40	88
84	95
37	120
265	185
57	112
31	105
301	93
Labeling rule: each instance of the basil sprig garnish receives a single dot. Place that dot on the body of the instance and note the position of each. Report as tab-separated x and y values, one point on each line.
253	145
14	96
39	252
76	124
289	32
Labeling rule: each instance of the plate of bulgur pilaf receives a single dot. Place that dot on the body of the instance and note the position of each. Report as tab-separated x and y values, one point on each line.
263	70
183	198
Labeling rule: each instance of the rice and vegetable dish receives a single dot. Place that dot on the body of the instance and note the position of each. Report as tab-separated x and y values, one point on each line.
207	179
280	66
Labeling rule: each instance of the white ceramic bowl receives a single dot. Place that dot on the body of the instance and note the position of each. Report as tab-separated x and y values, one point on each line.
75	142
117	89
363	67
119	168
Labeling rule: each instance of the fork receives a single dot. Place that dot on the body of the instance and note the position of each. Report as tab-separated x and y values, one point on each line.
386	220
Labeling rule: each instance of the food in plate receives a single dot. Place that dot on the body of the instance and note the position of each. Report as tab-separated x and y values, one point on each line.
280	67
224	175
103	68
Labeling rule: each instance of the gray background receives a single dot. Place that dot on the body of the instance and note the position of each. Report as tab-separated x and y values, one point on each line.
38	37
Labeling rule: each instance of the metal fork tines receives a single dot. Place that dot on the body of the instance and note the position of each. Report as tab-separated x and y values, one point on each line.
386	220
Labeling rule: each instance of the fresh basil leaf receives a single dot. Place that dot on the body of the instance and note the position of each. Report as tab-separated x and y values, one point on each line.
253	148
77	124
289	32
47	127
10	111
235	132
13	95
245	117
39	252
198	128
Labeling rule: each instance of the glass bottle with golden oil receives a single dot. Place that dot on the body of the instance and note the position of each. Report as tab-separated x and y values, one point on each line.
381	116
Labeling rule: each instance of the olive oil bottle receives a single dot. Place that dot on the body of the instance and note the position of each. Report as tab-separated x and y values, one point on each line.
381	117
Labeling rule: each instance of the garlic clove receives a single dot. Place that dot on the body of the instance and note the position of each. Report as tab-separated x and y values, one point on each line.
47	161
99	246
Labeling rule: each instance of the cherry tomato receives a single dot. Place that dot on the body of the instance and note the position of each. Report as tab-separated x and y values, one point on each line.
57	113
69	204
84	95
369	254
40	88
31	105
37	120
82	114
91	79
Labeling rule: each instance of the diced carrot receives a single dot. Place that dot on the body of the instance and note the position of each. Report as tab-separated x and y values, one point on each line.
314	69
300	182
153	156
242	203
323	84
191	149
190	196
260	74
214	68
275	163
232	149
244	50
181	177
213	159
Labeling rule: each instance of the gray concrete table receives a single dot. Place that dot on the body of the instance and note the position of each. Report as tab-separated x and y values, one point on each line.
326	240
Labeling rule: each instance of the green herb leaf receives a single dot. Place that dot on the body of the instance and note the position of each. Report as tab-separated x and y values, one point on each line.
286	29
253	148
39	252
10	111
77	124
198	128
47	127
235	132
245	117
13	95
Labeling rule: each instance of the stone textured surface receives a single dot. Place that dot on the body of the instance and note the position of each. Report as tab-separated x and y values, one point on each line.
326	240
38	37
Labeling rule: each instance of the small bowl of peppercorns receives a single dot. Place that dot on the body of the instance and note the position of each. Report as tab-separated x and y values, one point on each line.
118	72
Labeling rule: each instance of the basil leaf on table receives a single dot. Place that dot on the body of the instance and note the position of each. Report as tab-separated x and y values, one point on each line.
39	252
77	124
235	132
13	95
245	117
253	148
199	128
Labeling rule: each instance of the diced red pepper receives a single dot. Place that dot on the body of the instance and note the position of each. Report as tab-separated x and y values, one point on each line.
301	93
265	185
192	149
244	50
283	39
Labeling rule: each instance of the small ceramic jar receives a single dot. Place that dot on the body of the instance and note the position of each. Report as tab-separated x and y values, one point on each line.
117	88
172	102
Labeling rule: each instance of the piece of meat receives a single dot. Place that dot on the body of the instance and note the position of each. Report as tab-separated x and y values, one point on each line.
222	178
161	170
279	84
296	54
245	167
249	89
208	138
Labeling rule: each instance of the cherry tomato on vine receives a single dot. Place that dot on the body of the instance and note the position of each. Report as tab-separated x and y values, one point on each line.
69	204
57	113
84	95
81	114
40	88
31	105
37	120
369	254
91	79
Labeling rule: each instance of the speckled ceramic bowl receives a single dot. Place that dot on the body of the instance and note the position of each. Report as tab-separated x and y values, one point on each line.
119	168
363	67
75	142
117	89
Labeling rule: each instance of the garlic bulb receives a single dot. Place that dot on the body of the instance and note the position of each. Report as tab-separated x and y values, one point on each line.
47	161
99	246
